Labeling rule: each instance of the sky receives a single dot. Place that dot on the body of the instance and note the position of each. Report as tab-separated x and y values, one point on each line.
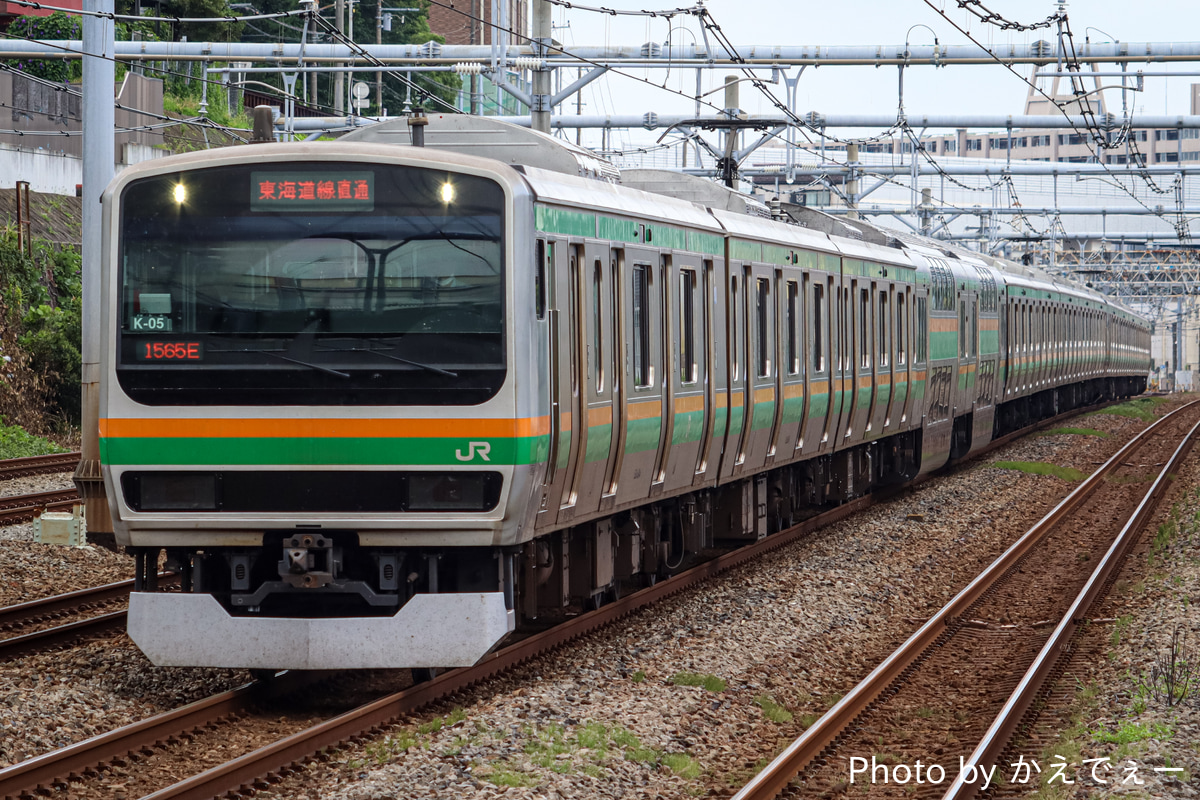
869	90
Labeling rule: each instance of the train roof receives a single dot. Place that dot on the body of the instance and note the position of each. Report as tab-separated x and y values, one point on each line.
558	187
487	137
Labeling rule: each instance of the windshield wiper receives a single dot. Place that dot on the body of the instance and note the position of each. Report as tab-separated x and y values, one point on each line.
301	345
289	359
382	354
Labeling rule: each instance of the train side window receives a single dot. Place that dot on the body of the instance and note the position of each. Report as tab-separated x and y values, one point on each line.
687	321
920	346
901	329
762	302
975	329
597	325
735	372
642	373
818	340
539	281
884	322
793	328
864	328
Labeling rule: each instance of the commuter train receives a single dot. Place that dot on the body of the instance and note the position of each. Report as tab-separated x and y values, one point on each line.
382	404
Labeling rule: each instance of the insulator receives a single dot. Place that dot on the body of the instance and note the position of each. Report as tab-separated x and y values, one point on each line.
469	68
524	62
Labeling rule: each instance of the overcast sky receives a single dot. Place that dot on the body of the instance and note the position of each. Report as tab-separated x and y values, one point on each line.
869	90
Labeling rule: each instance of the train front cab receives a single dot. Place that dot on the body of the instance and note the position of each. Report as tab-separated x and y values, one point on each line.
338	469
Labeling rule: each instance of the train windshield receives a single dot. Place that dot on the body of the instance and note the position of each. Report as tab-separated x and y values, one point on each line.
316	283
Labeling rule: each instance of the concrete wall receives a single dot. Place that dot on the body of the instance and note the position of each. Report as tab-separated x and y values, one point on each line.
46	112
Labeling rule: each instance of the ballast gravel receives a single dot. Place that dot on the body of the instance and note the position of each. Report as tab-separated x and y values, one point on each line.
771	646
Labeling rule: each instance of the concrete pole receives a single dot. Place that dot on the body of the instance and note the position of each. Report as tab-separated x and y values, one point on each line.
99	148
852	182
542	38
339	77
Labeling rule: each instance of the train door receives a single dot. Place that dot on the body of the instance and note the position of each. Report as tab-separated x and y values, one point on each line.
562	274
897	409
735	316
885	338
844	363
687	374
791	366
597	324
713	375
819	297
761	366
640	295
861	360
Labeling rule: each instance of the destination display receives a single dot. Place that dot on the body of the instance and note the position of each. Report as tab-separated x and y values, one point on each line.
312	191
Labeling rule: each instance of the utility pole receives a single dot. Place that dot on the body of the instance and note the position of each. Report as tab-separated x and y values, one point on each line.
379	75
542	40
99	152
339	77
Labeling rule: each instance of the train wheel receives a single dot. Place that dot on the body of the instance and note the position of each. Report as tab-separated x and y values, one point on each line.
424	674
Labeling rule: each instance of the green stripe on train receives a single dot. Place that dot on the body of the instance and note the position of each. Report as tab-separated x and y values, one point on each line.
325	450
688	427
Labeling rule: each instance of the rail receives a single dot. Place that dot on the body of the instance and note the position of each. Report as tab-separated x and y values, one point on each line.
822	736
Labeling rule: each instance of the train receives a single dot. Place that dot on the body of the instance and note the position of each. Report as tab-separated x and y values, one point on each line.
380	405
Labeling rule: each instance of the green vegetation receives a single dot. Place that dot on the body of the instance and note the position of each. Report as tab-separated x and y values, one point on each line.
638	676
1129	732
1142	408
40	314
1077	432
16	443
710	682
772	710
1042	468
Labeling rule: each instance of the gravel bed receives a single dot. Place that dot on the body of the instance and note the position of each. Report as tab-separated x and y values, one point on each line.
603	718
52	482
1117	715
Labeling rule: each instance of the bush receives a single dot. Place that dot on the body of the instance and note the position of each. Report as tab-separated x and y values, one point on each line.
40	336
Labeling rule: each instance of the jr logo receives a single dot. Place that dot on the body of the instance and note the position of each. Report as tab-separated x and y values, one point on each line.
473	448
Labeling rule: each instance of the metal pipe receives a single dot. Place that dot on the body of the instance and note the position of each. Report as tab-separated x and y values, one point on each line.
676	56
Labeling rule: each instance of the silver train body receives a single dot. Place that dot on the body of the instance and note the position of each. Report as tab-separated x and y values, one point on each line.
380	404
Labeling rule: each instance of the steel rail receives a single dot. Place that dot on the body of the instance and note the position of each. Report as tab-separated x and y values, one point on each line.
23	613
1009	720
73	602
252	768
37	465
60	634
822	735
50	769
24	507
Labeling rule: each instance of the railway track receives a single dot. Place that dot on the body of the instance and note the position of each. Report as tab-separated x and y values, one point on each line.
37	465
19	508
260	766
990	654
18	619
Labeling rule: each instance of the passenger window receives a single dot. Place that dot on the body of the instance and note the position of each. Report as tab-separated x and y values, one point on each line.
642	373
818	340
793	328
763	303
687	317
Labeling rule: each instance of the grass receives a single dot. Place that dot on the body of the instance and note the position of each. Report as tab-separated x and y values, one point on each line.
772	710
638	676
1130	732
1042	468
1142	409
17	443
682	765
1077	432
710	682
